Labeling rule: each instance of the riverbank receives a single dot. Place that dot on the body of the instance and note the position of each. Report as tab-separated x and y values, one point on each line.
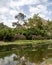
26	45
21	42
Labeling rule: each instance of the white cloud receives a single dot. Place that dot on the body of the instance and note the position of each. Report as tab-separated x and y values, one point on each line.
23	2
44	0
9	8
2	17
40	9
9	22
3	9
7	15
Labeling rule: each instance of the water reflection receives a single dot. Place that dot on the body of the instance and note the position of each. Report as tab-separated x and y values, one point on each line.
47	62
8	60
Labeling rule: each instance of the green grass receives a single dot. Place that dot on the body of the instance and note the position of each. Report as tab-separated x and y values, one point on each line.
20	42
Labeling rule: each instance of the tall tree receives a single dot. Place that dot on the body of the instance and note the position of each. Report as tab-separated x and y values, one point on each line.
35	21
21	19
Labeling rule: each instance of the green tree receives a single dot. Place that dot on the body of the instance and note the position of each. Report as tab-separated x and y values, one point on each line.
19	17
3	26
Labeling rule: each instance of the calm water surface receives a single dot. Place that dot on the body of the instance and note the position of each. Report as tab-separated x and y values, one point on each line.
28	55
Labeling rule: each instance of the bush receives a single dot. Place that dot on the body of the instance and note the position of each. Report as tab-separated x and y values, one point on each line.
6	35
35	37
19	37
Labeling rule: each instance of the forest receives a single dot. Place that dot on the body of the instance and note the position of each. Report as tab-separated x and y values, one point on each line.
33	28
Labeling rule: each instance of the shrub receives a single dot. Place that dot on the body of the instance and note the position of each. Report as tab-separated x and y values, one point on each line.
19	36
37	37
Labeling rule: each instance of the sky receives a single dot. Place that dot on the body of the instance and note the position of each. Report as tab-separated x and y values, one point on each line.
10	8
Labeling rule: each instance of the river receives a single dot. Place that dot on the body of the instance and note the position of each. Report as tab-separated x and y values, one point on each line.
27	55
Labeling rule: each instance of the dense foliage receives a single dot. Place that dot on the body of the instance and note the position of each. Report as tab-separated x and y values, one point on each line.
35	28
